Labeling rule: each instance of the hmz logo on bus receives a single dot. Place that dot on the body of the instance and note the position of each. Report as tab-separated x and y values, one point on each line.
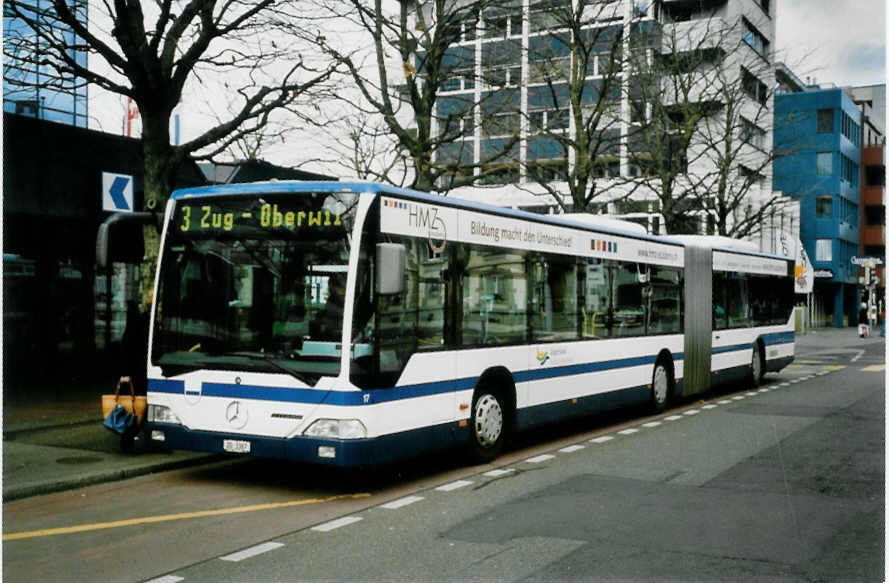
426	219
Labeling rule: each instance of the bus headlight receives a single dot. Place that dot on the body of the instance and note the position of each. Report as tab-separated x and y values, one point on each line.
337	428
161	414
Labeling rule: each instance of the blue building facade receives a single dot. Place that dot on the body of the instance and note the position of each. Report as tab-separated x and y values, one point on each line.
817	161
31	86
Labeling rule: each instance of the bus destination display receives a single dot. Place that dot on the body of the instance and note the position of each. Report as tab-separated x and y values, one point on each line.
215	217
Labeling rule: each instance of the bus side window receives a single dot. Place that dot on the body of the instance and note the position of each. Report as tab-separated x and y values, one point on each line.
596	308
554	298
720	321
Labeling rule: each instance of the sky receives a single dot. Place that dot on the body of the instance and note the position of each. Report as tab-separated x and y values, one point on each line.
835	41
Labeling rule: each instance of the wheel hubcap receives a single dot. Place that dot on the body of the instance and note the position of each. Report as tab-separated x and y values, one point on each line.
488	420
660	384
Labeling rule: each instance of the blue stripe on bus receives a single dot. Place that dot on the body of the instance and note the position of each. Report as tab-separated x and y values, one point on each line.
352	398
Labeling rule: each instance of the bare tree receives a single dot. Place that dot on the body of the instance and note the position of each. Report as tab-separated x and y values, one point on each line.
576	73
407	55
701	123
151	53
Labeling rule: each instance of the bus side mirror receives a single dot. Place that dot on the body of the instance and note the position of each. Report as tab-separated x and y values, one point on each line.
120	230
391	262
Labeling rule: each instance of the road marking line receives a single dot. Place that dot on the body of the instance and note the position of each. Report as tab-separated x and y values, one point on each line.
652	424
739	398
628	431
167	579
252	552
498	472
784	384
571	448
724	402
874	368
540	458
602	439
763	390
673	418
709	406
857	356
339	522
691	412
181	516
453	485
751	393
833	367
395	504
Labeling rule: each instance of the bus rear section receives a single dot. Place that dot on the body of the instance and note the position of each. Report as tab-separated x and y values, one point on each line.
742	326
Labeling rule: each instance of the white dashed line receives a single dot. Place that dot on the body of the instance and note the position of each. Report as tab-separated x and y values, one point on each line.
454	485
709	406
395	504
571	448
540	458
628	431
784	384
673	418
333	524
166	579
602	439
739	398
691	412
652	424
498	472
252	552
763	390
751	394
724	402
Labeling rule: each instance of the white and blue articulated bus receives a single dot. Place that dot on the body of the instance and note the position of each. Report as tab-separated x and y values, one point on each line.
354	324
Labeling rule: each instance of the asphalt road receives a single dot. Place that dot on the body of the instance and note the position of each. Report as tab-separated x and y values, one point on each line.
781	483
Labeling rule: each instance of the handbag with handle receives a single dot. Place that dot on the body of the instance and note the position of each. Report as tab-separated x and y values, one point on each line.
130	403
120	421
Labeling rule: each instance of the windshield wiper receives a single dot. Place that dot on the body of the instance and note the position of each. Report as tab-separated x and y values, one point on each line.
272	360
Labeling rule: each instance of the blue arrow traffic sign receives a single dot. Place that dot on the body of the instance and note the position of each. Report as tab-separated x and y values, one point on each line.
117	192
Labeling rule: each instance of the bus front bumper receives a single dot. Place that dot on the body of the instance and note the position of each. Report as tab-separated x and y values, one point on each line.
336	452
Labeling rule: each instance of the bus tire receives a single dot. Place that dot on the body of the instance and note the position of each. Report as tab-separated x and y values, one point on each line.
757	365
488	424
661	384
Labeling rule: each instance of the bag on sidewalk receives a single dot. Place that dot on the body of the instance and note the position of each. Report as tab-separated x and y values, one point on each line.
129	403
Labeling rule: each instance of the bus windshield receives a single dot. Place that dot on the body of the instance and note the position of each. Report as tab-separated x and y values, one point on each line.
254	283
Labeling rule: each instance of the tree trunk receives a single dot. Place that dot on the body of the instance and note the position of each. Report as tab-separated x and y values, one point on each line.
161	164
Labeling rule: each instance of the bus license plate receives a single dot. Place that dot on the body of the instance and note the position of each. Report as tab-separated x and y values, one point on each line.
236	446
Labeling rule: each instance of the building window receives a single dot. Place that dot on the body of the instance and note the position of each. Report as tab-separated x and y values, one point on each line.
752	134
849	170
824	250
874	215
875	175
825	121
753	87
875	250
824	163
824	207
755	39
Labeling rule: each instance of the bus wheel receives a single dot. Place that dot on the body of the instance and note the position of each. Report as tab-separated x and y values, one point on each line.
660	386
756	366
487	425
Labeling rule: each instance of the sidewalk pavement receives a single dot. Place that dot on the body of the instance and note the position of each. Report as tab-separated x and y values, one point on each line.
56	441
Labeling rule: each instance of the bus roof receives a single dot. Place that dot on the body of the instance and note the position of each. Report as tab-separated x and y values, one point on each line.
285	186
296	186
